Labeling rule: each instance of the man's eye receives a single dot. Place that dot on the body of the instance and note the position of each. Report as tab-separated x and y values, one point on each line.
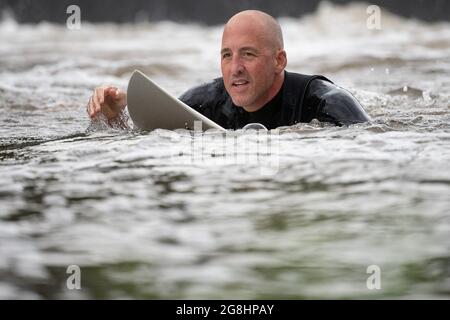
226	55
249	54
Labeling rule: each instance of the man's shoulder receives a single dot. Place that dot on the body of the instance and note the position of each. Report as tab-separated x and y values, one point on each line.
206	96
305	79
329	102
208	92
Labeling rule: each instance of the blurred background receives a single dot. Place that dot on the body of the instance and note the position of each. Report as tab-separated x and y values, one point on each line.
204	11
143	221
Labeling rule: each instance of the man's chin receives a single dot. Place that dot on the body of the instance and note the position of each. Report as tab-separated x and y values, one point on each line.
240	101
247	104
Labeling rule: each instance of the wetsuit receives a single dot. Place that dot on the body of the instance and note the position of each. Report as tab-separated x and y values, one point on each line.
301	98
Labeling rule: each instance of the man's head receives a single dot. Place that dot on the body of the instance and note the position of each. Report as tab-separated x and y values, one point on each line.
252	59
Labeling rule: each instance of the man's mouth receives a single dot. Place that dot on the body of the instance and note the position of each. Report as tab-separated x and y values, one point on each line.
239	83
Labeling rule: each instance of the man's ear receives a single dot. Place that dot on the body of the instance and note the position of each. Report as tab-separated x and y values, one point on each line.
281	60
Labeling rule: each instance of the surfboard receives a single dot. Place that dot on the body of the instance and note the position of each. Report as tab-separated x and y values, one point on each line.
151	107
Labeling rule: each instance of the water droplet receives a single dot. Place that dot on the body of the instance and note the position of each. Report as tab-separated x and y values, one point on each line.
254	126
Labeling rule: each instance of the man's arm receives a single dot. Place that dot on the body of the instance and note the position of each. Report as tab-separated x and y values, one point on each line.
333	104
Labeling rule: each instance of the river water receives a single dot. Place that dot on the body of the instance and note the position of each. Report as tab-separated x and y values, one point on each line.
143	217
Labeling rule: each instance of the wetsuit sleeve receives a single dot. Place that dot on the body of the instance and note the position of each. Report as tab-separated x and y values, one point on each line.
330	103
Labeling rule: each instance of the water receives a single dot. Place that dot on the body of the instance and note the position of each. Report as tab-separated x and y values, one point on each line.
143	221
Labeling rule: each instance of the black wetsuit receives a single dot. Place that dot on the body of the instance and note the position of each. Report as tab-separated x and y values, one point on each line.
300	99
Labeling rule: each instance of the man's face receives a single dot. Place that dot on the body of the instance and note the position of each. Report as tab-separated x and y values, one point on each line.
248	65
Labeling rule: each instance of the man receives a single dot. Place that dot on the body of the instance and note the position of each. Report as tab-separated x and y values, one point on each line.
254	88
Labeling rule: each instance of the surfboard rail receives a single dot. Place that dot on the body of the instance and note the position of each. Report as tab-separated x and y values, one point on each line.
152	107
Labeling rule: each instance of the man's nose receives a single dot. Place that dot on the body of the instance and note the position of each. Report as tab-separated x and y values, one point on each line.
236	66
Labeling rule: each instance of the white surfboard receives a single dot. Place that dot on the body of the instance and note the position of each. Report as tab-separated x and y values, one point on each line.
151	107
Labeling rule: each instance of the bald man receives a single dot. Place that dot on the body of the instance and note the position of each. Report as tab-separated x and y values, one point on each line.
255	87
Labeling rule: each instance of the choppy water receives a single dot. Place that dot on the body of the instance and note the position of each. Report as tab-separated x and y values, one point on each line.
143	221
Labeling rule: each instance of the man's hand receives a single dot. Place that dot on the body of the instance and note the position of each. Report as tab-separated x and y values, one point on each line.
107	100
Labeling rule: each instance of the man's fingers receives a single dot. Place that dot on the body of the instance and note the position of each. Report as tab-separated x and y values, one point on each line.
112	93
92	107
120	94
105	100
100	96
97	106
120	98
